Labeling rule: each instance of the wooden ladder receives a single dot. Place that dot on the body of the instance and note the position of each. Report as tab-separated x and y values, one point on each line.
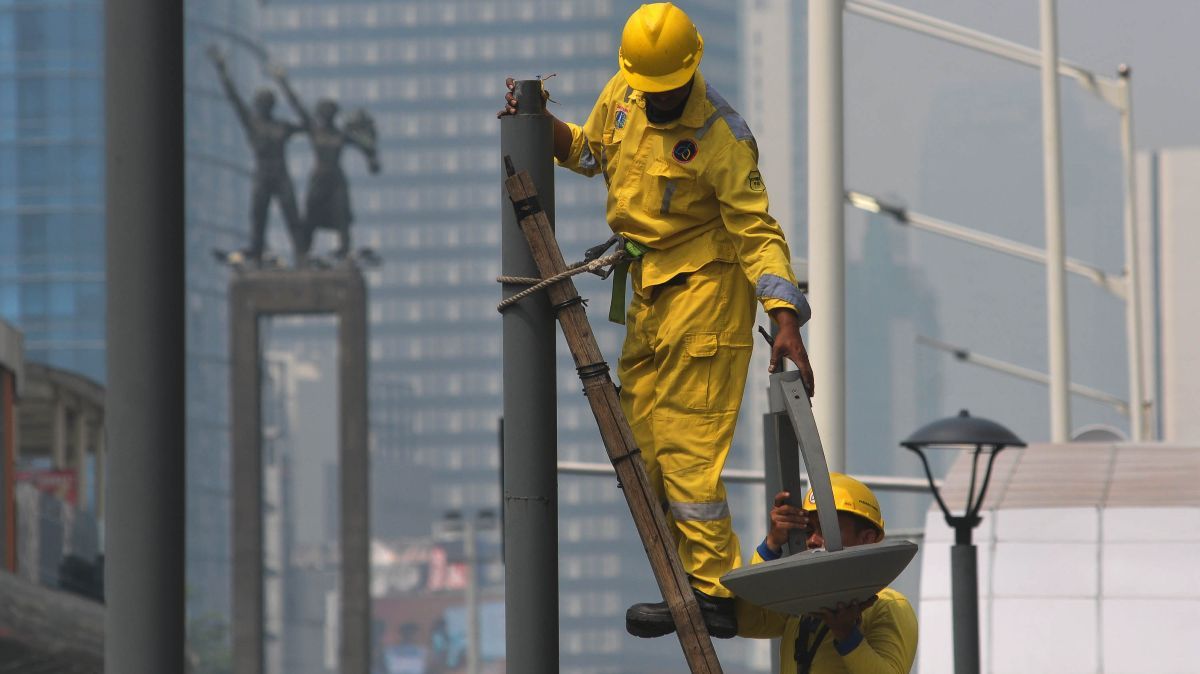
614	428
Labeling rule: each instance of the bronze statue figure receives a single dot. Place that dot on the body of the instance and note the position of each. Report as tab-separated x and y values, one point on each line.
268	138
327	200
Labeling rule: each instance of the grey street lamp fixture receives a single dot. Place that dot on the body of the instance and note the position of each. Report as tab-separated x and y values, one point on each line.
980	436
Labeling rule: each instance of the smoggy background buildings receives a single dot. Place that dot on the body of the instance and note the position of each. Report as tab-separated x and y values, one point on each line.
431	74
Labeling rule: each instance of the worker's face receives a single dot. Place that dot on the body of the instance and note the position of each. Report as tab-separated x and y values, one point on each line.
669	100
852	535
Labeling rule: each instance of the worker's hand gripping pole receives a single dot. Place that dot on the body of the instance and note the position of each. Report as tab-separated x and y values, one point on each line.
787	391
614	428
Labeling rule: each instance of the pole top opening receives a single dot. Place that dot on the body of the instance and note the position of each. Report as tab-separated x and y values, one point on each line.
530	97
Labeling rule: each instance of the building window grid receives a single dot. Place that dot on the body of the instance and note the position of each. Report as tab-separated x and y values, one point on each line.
461	13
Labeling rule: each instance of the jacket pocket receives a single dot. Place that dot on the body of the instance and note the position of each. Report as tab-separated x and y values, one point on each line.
668	188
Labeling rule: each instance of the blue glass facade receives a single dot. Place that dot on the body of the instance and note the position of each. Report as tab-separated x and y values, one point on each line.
52	180
217	207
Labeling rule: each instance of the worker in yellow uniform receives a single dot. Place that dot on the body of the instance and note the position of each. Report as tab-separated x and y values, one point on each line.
874	636
686	195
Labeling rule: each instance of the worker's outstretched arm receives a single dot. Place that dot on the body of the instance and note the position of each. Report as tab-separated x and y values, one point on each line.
762	250
579	148
562	131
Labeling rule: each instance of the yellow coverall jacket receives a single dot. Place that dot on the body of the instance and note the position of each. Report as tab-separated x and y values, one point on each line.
689	191
888	629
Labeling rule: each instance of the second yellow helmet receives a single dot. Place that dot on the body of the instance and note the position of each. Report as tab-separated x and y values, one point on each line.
850	496
660	48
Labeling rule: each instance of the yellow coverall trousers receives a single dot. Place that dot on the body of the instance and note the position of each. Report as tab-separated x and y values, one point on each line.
682	371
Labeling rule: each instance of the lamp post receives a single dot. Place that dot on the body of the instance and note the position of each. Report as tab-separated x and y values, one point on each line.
980	436
468	528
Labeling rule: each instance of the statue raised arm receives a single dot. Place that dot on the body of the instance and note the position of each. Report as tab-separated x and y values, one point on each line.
268	138
231	91
279	74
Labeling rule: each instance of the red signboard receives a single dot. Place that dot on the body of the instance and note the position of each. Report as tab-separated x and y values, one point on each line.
60	483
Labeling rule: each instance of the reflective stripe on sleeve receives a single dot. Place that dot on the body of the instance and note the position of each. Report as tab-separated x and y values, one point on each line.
700	512
775	287
587	160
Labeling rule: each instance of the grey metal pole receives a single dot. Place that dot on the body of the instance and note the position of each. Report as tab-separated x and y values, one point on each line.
144	573
530	411
1133	300
826	224
964	583
471	552
1056	237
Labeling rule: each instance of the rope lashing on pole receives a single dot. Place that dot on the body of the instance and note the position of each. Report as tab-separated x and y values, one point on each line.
538	284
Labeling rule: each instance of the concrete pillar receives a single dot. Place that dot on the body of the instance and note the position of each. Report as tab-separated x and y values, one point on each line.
254	295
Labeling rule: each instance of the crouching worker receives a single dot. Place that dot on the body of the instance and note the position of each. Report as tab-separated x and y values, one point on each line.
877	635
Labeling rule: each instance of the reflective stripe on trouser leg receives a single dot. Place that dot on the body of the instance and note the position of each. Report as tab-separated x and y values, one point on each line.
683	371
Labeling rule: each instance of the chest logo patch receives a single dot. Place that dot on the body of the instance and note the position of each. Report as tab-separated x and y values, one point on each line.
684	151
755	182
621	117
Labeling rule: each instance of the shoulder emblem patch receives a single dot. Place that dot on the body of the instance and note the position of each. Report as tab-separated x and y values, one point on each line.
621	117
755	182
684	151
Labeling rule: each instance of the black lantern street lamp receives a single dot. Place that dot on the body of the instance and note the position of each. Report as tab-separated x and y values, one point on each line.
980	436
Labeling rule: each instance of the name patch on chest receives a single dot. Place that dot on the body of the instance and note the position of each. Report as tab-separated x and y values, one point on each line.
684	151
621	117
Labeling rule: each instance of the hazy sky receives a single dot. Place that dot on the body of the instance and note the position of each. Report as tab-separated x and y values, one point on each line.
956	134
1155	37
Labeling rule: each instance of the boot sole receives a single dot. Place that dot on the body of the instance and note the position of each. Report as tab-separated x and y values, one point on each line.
645	629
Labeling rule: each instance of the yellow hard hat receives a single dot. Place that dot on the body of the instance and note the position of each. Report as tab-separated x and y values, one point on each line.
660	48
850	496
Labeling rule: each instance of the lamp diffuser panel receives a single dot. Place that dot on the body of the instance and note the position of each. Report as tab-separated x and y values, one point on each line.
815	579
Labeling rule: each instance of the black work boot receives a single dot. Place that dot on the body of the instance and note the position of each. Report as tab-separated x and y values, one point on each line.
649	620
654	619
720	615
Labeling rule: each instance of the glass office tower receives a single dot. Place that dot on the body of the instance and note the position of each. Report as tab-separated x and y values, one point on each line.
218	172
52	180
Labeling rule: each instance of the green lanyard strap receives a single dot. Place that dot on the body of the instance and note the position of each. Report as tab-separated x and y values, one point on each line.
616	307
